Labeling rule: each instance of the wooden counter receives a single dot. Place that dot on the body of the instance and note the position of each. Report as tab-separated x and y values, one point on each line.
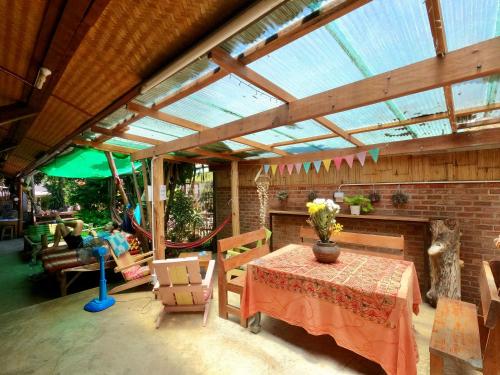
348	216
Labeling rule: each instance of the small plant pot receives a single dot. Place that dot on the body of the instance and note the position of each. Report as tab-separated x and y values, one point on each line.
355	210
283	204
326	252
338	196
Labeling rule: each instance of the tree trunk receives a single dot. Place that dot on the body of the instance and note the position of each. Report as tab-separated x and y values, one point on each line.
444	260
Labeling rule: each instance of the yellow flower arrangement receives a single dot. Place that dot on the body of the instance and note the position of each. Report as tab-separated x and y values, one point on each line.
322	214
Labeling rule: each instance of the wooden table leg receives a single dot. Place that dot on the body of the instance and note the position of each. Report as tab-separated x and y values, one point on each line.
436	364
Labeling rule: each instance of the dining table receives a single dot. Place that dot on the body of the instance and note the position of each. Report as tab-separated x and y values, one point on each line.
366	303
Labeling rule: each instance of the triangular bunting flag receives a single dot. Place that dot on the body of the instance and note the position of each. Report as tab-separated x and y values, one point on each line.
338	162
374	152
349	159
307	165
273	168
290	168
361	157
266	168
298	166
317	165
281	168
327	163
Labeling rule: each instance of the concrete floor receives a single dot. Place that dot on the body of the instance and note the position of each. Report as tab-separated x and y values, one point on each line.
58	337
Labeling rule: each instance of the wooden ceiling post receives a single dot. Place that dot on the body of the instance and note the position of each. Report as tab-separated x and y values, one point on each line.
145	181
116	178
235	198
158	209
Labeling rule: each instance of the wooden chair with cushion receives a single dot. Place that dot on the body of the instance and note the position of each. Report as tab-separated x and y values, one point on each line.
136	269
181	287
258	246
364	240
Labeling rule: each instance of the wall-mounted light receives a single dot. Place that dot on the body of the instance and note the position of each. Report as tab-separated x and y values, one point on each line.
43	73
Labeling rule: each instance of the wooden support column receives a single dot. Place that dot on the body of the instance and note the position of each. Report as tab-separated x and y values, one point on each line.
146	193
138	194
158	210
235	198
20	208
112	166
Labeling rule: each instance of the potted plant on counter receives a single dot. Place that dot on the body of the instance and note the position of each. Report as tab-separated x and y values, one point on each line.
282	196
322	213
358	204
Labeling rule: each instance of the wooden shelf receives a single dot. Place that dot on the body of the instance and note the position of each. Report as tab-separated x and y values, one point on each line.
362	217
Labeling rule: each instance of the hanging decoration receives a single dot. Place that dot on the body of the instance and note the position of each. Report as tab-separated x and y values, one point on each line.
317	165
262	182
360	156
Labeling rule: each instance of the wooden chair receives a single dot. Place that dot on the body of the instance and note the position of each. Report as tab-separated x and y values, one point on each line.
181	287
237	284
456	333
130	267
364	240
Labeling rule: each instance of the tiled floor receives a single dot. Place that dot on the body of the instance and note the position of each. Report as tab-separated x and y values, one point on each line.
58	337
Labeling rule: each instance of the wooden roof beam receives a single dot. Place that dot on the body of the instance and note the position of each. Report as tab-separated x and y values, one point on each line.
165	117
484	139
15	112
483	108
478	60
226	62
475	124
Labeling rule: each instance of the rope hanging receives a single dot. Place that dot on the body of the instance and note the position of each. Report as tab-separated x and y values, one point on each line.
182	245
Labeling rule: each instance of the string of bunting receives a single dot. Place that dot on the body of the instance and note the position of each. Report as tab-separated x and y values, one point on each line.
337	161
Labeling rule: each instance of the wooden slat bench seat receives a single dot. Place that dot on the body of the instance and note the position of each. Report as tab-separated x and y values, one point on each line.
455	335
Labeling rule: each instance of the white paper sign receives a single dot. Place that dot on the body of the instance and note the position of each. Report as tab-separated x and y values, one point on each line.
150	193
163	192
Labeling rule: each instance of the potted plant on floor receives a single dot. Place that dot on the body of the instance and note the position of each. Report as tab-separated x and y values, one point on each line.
322	213
358	204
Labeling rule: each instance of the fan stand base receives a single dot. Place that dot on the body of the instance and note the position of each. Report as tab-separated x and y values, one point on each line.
97	305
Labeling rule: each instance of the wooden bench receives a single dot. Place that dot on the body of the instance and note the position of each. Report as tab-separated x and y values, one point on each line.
456	329
364	240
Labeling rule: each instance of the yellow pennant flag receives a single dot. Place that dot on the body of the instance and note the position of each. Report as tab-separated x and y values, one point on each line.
273	168
327	163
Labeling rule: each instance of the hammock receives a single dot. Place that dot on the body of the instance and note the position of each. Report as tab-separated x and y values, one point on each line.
182	245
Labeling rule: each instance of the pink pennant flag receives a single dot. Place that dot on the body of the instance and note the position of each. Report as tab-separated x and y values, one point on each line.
327	163
290	168
361	157
338	162
298	166
281	168
349	159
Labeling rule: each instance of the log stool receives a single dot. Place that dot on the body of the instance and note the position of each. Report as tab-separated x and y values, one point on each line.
8	230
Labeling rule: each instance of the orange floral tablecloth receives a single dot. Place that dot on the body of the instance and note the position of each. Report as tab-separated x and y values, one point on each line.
364	302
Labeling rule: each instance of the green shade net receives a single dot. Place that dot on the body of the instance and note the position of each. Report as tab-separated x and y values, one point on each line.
87	163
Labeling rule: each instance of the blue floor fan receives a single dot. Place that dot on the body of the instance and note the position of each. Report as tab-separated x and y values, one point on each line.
104	301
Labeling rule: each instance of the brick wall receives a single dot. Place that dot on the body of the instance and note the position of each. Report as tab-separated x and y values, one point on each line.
476	207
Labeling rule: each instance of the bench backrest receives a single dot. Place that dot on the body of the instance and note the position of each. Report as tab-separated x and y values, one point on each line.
256	238
360	239
489	288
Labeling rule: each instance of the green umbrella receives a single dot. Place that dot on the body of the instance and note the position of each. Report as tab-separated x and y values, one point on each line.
87	163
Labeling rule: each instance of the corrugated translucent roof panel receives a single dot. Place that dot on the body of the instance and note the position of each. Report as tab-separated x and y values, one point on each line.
422	130
134	130
470	93
325	144
152	124
379	36
127	143
261	155
116	117
467	22
234	145
193	71
410	106
303	129
281	17
226	100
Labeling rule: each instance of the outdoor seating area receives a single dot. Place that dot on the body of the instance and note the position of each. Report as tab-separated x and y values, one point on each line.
250	187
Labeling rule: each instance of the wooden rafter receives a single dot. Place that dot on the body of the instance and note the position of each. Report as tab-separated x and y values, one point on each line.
165	117
231	65
121	133
484	139
479	60
483	108
475	124
439	37
15	112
